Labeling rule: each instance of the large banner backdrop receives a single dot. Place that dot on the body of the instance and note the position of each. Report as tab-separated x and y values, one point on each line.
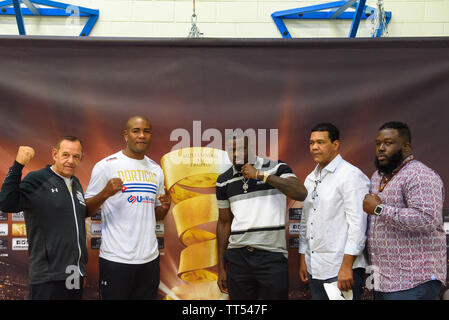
192	91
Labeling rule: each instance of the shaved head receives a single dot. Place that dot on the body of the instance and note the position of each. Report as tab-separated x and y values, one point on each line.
132	120
137	135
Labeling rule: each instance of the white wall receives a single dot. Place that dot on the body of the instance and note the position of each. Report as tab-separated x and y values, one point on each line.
230	18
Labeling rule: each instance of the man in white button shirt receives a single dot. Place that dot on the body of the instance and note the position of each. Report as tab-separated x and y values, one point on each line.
333	223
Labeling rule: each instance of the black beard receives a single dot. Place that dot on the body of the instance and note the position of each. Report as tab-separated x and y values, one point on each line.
394	162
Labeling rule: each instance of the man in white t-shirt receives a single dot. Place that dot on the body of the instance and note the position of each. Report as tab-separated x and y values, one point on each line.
129	188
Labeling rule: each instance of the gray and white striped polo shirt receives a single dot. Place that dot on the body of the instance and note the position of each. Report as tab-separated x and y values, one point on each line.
259	214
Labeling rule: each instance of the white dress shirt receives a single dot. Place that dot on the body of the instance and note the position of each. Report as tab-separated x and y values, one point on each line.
333	222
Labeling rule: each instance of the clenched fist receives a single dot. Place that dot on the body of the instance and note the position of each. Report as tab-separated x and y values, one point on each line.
370	202
165	200
113	186
24	155
248	171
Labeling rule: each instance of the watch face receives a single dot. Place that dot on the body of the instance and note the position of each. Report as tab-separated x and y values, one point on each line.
378	210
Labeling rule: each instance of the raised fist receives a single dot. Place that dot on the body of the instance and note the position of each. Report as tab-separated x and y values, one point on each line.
24	155
113	186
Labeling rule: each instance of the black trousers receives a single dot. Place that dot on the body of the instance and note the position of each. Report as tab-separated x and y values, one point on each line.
319	293
256	274
55	290
121	281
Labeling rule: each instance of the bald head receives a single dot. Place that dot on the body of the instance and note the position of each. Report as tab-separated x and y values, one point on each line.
132	121
137	135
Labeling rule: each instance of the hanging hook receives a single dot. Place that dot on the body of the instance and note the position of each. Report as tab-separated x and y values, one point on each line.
194	31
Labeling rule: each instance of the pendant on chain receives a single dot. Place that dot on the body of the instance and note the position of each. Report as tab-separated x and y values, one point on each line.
245	186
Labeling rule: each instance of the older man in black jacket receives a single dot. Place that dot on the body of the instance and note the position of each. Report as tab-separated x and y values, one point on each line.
52	200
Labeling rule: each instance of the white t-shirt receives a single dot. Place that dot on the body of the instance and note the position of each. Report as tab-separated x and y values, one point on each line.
68	181
128	217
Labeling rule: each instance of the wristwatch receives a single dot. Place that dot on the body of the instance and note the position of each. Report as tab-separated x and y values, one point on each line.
378	209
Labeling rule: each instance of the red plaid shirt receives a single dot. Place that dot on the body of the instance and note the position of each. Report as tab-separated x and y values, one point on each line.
407	244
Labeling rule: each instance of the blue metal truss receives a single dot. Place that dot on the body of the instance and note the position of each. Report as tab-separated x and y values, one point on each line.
335	10
57	9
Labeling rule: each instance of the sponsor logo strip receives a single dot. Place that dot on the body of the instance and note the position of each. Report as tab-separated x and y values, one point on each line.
19	244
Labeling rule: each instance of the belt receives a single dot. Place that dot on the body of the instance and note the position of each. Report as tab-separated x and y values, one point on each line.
250	249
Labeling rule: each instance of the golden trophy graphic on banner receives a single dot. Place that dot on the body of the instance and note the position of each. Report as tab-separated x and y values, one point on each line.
190	177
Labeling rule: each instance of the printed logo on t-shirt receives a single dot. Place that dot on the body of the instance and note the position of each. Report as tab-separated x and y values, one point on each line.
140	199
139	188
139	183
137	176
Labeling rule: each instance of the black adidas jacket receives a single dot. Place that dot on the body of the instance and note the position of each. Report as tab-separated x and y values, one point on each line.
54	218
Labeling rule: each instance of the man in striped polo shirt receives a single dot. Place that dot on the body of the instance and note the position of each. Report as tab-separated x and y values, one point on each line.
251	196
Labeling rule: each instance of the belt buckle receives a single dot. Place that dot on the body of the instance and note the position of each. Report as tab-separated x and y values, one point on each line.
250	249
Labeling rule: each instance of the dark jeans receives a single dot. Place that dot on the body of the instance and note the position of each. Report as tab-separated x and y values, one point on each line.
319	293
426	291
55	290
121	281
256	274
